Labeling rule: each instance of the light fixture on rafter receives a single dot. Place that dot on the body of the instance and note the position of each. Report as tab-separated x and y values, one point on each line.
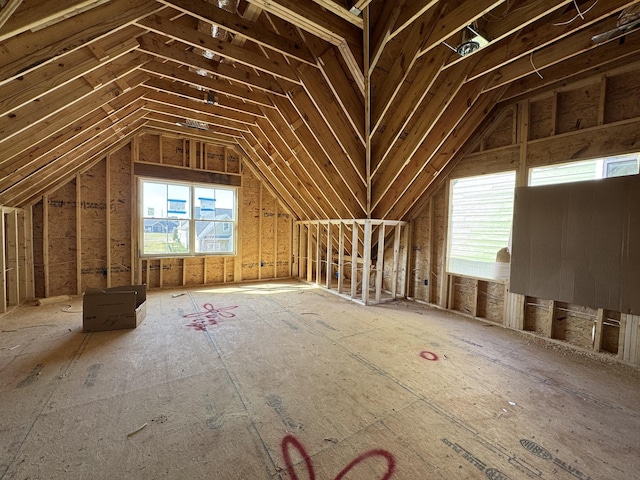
472	39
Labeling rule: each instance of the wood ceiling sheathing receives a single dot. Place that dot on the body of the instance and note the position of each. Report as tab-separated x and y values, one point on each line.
287	86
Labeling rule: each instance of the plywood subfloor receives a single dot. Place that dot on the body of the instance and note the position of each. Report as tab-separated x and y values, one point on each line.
271	373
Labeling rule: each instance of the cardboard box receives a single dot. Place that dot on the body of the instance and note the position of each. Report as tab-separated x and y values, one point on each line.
113	308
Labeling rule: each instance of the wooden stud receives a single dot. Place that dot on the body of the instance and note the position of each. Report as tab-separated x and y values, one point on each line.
475	299
136	207
551	313
161	273
329	261
602	103
430	275
45	242
597	337
380	262
108	216
341	234
354	258
237	264
13	258
366	264
148	271
26	263
444	283
3	265
309	254
318	253
292	242
275	239
79	235
260	220
622	337
396	259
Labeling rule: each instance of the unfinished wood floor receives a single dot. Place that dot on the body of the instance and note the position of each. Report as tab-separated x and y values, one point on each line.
275	372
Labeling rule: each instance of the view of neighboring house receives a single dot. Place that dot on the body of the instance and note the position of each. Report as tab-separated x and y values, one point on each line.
160	226
214	231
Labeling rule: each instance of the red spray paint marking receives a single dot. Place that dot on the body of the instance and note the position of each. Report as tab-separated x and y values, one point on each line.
429	356
210	316
290	440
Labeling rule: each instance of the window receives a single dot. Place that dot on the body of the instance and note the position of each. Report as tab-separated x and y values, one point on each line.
584	170
480	220
187	219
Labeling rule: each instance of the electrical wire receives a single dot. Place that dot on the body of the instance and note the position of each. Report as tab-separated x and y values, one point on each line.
580	14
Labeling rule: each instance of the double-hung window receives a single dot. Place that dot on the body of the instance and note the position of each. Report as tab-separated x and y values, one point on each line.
182	219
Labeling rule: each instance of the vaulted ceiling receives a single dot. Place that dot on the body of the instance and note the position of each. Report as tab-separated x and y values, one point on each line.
346	108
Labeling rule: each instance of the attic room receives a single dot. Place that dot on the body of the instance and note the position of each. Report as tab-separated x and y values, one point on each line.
350	239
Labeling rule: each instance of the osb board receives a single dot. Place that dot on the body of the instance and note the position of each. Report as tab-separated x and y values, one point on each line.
540	118
268	247
463	294
420	252
502	134
120	160
62	213
230	263
214	158
121	213
62	240
149	148
283	227
578	109
233	162
536	313
172	151
194	271
249	224
120	261
491	161
93	229
438	251
574	324
38	251
622	93
491	301
154	273
215	269
172	272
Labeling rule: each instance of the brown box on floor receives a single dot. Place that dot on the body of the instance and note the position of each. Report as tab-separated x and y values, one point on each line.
113	308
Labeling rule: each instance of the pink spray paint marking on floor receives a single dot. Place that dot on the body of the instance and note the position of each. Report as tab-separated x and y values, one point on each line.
209	317
291	441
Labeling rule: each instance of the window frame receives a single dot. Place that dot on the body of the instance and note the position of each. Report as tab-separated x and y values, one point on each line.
500	275
192	220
